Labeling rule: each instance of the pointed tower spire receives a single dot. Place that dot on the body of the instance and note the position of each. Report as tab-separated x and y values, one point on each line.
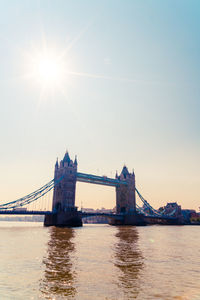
56	165
124	172
66	158
75	161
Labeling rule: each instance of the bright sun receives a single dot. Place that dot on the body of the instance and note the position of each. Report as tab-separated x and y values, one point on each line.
48	70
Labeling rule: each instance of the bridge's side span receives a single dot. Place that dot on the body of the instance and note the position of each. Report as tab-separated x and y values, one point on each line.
89	178
32	196
25	212
149	212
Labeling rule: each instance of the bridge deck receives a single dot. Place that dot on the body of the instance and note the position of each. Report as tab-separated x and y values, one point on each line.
40	212
90	214
25	212
84	214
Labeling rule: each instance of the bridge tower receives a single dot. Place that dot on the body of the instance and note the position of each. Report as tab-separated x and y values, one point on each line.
63	207
125	200
125	194
64	192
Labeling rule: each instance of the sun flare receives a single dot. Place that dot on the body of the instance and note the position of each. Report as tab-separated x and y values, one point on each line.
47	68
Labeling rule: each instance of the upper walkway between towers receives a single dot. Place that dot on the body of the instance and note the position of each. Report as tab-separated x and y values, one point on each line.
104	180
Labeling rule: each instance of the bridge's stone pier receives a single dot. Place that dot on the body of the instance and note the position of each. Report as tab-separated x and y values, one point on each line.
64	211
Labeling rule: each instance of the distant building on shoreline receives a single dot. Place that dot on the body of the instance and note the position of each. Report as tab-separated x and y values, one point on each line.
189	216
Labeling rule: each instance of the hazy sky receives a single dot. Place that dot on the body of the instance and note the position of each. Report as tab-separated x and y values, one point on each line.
127	92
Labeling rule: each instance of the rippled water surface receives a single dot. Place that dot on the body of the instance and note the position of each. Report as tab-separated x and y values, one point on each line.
99	262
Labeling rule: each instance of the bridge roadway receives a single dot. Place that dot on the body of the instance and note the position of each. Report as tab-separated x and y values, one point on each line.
44	212
84	214
25	212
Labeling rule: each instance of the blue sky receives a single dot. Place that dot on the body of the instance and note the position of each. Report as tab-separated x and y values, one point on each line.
130	95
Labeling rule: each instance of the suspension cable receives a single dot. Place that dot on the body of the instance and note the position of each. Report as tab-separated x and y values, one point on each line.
32	196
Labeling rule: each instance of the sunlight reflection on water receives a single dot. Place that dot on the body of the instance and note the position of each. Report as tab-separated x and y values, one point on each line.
99	262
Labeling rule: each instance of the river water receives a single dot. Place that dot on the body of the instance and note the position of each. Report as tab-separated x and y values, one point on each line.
99	262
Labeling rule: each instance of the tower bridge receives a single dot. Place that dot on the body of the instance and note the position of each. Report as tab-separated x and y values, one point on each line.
64	211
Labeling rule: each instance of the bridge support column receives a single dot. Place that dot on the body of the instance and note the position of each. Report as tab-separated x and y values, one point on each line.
64	211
